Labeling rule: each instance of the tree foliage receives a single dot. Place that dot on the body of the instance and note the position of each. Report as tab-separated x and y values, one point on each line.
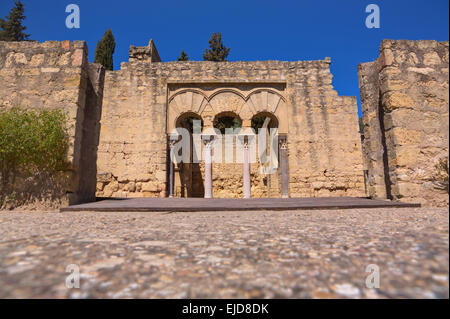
12	29
183	56
217	51
188	123
32	141
259	120
105	50
223	122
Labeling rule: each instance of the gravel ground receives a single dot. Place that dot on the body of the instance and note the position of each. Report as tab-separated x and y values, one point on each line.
260	254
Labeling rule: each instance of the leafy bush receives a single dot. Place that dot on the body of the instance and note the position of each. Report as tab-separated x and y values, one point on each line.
31	142
440	179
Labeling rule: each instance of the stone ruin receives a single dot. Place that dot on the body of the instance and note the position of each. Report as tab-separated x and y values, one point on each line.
120	121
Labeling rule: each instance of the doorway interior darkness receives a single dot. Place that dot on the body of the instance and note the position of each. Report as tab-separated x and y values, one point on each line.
188	176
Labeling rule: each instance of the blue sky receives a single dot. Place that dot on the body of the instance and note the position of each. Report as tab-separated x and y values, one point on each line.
255	30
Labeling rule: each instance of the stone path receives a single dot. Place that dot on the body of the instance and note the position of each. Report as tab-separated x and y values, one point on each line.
251	254
230	204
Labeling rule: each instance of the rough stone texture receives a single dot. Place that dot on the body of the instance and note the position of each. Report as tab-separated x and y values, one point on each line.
373	143
143	101
255	254
404	96
57	75
147	54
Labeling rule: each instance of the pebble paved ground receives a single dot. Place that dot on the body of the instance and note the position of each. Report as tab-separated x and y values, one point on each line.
260	254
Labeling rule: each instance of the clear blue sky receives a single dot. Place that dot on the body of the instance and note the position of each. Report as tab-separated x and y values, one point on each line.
255	30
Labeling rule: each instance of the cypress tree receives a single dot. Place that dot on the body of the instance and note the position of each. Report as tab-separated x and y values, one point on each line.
12	29
105	50
183	56
217	51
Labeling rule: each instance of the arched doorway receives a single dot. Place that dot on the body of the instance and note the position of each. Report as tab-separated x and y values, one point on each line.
264	124
226	169
264	119
228	106
188	176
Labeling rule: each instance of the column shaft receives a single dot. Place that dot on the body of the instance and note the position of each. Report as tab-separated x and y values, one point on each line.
284	171
246	174
171	173
208	171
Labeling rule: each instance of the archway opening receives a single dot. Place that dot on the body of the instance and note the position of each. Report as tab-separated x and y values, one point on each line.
187	120
269	155
264	119
188	176
226	120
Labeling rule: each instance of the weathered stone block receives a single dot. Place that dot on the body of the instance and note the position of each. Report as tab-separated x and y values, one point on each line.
37	59
77	57
431	58
393	99
413	125
149	187
50	70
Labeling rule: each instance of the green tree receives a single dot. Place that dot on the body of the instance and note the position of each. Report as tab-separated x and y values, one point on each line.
105	50
183	56
12	29
217	51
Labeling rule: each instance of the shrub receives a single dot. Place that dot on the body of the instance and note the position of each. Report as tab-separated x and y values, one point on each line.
31	142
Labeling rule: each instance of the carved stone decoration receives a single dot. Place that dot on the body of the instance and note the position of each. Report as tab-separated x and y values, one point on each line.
243	103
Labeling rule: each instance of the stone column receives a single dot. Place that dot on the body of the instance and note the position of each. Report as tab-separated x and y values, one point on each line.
208	168
284	169
171	169
246	173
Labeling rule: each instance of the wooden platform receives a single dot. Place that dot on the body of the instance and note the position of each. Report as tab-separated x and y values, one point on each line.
223	204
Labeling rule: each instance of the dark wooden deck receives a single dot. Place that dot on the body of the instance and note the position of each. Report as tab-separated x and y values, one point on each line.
223	204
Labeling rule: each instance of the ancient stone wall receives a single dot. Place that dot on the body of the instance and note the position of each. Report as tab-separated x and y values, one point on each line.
323	142
57	75
143	100
404	96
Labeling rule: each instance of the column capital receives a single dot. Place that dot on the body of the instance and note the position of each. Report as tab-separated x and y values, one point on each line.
246	173
172	143
172	138
208	143
283	144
